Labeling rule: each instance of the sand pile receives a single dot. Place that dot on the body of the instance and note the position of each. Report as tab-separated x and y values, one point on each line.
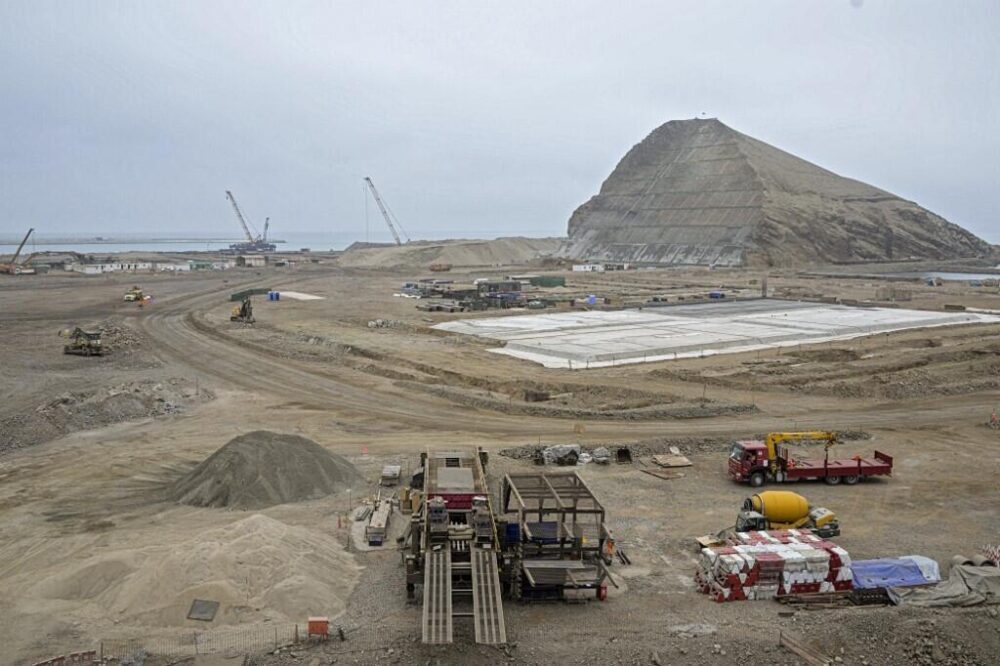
263	468
257	568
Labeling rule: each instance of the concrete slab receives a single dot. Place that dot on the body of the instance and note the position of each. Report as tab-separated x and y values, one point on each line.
604	338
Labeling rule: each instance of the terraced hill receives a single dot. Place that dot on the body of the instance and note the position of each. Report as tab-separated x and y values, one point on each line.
698	192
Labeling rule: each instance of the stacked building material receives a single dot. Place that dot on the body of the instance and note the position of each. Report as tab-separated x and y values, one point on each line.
765	565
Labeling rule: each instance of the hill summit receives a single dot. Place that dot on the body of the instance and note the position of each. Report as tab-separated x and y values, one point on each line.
698	192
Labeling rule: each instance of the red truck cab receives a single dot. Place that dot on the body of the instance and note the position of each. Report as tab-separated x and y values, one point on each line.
747	457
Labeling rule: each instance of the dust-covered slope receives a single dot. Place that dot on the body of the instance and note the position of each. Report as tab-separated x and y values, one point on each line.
699	192
458	253
261	469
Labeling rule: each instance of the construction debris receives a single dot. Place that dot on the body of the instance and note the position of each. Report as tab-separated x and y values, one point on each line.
662	475
674	459
561	454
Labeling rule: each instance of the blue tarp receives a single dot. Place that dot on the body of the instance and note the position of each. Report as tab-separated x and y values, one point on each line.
892	572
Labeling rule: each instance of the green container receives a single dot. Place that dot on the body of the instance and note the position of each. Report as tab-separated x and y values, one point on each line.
548	281
240	295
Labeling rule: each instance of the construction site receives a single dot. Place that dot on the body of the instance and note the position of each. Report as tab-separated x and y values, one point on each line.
621	446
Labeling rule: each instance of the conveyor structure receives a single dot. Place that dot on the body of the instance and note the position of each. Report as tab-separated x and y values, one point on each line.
548	541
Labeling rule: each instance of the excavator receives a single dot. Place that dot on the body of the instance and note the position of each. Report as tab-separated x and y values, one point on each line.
13	268
243	312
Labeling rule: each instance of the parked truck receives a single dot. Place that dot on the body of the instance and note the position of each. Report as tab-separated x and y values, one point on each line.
778	510
758	462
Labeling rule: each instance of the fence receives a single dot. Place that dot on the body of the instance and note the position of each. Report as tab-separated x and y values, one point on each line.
244	640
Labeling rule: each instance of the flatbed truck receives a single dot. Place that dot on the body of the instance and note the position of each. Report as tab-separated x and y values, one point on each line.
759	462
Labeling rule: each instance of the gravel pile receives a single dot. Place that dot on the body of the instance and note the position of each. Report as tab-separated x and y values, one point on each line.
261	469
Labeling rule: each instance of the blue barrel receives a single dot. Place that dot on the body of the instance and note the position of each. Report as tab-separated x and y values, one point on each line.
277	295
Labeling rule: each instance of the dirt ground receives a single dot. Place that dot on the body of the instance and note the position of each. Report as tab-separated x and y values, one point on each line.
83	469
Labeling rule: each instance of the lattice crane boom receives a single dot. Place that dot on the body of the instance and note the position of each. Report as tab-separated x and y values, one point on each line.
384	210
239	216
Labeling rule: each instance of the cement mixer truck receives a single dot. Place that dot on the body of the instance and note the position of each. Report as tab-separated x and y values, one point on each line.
778	510
785	510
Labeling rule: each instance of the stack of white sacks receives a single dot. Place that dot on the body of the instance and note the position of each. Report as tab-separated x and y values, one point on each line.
765	565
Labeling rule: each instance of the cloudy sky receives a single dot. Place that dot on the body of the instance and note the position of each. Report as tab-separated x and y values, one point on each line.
473	118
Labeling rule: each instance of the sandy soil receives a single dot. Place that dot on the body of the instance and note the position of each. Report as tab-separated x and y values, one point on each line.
91	549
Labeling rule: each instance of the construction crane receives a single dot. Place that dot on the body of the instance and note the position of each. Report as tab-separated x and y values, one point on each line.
12	267
239	216
386	214
253	243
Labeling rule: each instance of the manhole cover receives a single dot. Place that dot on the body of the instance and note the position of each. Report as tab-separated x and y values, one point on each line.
203	610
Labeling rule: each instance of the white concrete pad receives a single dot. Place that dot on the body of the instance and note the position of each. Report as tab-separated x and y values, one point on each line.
603	338
299	296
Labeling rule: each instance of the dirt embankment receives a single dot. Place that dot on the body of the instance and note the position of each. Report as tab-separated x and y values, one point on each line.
910	369
421	254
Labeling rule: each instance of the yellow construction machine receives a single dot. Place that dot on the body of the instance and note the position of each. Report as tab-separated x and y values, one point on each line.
243	312
134	294
82	343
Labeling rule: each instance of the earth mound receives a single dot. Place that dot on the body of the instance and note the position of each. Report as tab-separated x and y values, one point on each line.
261	469
698	192
458	253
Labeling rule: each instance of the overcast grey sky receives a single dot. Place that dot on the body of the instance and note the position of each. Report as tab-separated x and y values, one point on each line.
473	118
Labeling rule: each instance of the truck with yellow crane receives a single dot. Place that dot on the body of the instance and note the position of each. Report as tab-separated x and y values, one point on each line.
769	461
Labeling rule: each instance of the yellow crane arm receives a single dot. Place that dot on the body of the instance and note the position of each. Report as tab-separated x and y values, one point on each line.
775	438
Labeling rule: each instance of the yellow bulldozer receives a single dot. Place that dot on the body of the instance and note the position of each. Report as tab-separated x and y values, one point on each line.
83	343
